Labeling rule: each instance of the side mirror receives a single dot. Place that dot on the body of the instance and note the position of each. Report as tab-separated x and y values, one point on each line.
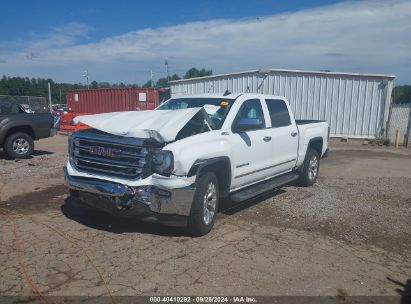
247	124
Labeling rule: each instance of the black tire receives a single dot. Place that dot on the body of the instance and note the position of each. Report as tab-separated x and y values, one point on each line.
197	221
26	145
309	171
5	152
74	193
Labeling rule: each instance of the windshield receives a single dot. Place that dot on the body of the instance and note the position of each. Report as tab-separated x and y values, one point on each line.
216	108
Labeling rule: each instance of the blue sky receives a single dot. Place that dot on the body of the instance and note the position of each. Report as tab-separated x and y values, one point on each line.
121	41
109	18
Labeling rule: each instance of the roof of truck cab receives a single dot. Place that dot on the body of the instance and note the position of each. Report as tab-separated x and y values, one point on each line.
229	96
209	95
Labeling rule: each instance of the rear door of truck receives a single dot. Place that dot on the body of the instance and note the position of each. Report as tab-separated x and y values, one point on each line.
284	136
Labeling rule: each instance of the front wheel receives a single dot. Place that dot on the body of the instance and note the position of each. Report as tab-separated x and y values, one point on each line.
310	169
19	145
205	205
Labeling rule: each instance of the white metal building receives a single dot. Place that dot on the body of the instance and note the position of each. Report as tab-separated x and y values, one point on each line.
355	105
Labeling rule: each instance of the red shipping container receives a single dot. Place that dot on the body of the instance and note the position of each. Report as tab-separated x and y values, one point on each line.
95	101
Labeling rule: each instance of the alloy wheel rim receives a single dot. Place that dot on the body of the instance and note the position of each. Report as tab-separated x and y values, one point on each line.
21	146
313	168
210	202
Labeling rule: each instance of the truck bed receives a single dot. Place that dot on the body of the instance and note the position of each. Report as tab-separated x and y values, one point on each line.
307	121
310	130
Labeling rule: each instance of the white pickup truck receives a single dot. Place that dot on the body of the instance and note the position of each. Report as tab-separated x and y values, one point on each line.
174	164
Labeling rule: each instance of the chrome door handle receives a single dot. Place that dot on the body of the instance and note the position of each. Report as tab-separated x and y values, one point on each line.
294	134
267	138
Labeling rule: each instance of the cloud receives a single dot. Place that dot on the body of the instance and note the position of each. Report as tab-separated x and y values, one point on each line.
61	37
360	36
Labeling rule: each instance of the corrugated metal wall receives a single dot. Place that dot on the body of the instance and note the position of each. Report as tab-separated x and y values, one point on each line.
399	119
355	105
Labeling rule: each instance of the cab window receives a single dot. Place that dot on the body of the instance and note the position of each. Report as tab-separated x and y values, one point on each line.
9	108
278	113
250	116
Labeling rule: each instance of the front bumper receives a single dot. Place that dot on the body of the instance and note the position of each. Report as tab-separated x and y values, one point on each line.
149	201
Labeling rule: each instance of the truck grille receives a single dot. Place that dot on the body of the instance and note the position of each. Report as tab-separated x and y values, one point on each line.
112	156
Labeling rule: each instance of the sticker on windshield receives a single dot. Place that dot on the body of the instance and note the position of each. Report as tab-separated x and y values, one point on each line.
211	109
224	103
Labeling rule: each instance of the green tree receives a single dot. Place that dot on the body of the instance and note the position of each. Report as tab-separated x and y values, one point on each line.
402	94
147	84
104	84
24	86
162	82
175	77
133	85
194	72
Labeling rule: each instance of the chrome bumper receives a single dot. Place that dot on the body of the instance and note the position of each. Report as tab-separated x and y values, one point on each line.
126	199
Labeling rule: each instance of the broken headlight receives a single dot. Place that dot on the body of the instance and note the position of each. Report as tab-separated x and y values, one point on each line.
162	162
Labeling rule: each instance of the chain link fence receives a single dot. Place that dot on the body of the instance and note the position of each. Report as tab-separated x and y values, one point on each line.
400	120
30	104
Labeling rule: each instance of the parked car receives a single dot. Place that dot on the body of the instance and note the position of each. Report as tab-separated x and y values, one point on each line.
174	164
58	110
26	108
19	129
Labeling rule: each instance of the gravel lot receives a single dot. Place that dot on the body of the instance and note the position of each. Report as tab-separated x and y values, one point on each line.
347	235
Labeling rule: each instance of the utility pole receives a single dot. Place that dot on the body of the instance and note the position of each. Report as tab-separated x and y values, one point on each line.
168	73
50	106
151	78
407	143
85	75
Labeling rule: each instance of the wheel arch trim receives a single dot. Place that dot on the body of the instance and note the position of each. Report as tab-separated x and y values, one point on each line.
202	164
11	128
314	140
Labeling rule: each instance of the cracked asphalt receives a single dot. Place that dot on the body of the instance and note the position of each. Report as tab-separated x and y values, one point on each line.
349	234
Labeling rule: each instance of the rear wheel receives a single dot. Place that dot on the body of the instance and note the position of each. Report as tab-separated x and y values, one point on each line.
205	205
19	145
310	169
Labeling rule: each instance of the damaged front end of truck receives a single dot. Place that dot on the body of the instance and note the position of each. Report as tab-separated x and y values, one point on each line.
120	165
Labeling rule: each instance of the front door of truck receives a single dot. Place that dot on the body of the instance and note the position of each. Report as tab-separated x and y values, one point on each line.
250	144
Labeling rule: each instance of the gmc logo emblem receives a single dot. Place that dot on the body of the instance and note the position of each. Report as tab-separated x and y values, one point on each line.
102	151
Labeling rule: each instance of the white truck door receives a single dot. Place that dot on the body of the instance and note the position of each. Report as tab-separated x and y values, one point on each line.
250	144
284	136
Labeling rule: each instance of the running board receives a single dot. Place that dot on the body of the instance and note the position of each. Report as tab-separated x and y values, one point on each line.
252	191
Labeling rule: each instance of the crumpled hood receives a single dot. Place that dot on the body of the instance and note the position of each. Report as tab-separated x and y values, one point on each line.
163	125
